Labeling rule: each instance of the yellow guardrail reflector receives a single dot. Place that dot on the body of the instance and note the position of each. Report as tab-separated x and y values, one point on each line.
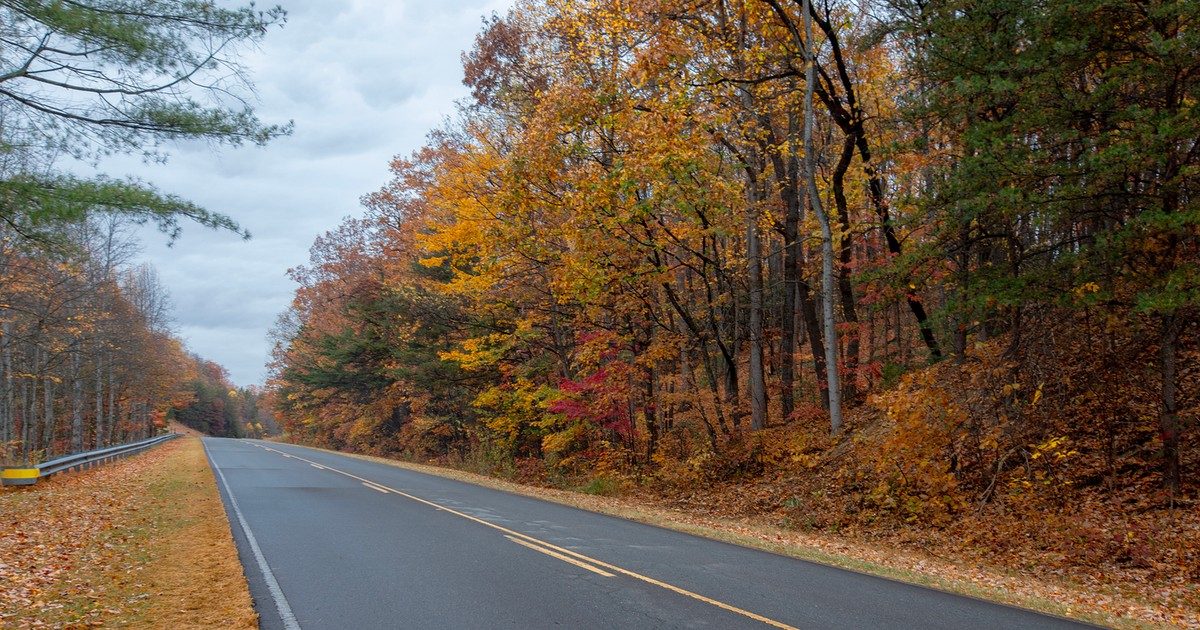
19	473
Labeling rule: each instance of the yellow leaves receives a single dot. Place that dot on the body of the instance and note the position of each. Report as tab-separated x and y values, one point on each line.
477	353
512	409
916	475
1055	448
785	446
563	441
364	428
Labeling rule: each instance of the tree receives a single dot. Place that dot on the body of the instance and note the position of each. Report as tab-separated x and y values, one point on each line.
814	198
90	78
610	255
1068	174
212	404
76	325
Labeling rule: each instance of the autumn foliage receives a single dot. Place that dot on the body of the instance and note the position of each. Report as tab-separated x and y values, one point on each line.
87	357
604	273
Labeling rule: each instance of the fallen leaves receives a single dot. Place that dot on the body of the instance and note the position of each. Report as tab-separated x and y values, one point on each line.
88	549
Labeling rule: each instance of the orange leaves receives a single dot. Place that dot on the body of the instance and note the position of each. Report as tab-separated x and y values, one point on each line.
60	542
477	353
913	461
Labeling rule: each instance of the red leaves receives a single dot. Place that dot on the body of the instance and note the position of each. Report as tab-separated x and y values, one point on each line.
604	397
601	398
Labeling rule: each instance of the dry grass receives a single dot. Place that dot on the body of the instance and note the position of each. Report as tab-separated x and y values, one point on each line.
197	579
142	542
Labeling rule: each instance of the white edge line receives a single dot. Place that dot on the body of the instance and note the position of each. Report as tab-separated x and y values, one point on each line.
281	603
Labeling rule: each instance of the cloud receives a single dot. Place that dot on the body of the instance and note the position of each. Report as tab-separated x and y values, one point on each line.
363	81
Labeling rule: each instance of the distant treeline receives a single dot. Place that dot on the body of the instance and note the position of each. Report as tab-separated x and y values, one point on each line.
86	353
216	407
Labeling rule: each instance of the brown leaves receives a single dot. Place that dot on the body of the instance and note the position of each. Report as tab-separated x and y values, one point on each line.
50	532
76	548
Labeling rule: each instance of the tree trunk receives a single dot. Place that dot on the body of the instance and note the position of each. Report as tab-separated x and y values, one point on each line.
758	386
1169	426
25	421
845	256
875	187
100	434
7	428
650	414
810	163
787	336
113	418
47	416
76	401
812	329
797	297
847	114
787	175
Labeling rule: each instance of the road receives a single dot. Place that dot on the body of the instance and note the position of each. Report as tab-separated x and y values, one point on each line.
331	541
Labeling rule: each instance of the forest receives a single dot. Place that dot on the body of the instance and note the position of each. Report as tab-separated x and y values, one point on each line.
867	266
89	357
212	405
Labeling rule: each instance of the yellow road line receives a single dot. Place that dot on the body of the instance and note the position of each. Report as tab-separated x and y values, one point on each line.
549	546
555	554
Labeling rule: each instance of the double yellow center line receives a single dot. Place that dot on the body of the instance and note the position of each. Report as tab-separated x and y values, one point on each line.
555	554
566	555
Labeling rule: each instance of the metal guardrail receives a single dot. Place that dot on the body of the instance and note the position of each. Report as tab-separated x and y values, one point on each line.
27	476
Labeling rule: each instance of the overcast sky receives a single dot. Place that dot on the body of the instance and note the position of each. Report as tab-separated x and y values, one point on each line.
364	80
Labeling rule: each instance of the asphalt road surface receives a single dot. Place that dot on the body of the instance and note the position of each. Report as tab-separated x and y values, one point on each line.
330	541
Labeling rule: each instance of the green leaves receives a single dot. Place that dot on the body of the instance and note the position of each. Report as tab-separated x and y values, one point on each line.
38	208
1074	127
91	78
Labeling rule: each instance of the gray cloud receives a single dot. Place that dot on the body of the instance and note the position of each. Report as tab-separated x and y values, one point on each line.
364	81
